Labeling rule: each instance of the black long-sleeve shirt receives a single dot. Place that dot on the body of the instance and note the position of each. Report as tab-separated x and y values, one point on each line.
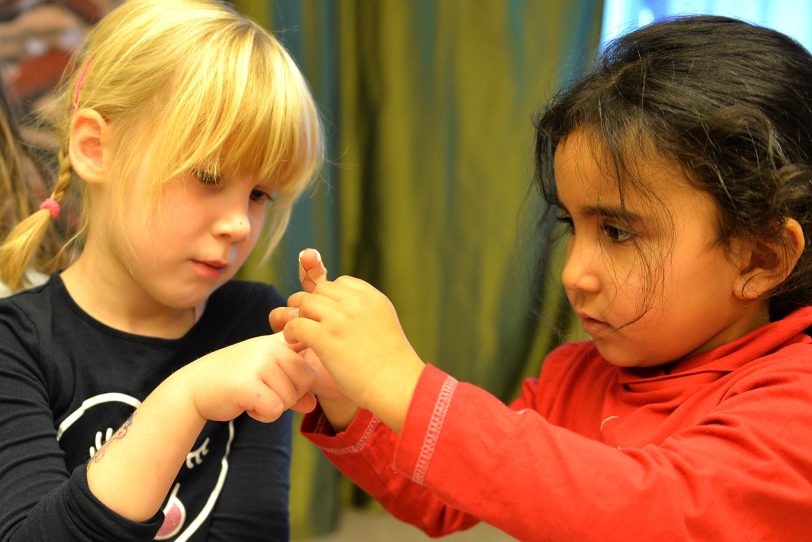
67	382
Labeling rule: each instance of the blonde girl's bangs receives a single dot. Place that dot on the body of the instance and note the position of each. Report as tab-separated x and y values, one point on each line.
242	106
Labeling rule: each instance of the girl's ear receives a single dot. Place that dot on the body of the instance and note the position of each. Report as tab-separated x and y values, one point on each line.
89	136
767	265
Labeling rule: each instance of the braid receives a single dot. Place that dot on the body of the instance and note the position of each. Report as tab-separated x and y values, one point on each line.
63	179
23	242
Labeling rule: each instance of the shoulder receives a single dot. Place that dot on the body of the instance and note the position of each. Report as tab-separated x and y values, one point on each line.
36	304
788	366
34	278
26	325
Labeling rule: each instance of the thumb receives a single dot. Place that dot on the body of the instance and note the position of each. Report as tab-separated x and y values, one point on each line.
311	269
305	404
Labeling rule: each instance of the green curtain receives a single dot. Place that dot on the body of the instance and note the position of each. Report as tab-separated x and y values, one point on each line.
428	107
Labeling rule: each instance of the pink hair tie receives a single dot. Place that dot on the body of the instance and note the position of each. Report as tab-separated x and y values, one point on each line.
52	206
77	91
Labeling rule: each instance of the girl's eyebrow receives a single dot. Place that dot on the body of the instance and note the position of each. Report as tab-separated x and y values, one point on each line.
605	211
615	213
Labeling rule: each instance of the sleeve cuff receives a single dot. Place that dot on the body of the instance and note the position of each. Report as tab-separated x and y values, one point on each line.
414	448
84	506
423	426
317	429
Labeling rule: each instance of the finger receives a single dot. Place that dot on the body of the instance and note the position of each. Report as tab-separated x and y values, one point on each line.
324	381
313	360
339	289
311	263
266	406
302	330
312	270
280	337
268	417
315	307
279	316
296	298
305	404
298	374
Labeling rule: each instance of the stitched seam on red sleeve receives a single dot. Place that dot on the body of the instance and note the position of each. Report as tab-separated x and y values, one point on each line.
433	432
358	446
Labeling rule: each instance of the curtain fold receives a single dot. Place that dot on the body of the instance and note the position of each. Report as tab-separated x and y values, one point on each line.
428	107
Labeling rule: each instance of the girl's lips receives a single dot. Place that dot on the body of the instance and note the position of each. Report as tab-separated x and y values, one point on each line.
211	270
594	327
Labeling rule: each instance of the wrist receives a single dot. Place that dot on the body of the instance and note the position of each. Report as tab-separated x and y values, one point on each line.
181	385
339	412
394	387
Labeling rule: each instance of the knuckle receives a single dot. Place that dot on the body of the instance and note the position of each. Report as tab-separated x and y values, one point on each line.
319	287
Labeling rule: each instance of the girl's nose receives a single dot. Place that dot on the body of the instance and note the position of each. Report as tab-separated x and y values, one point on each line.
234	225
580	269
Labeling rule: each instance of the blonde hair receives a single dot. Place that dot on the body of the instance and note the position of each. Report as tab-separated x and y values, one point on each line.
16	195
195	86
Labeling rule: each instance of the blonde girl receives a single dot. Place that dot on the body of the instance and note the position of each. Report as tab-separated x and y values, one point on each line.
141	395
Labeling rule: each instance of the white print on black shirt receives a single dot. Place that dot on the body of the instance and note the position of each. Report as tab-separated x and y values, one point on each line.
195	457
85	431
99	442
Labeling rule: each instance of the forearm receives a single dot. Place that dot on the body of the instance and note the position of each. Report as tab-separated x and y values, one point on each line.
363	452
132	473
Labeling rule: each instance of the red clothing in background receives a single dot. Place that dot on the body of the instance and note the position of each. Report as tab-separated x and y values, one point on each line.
717	447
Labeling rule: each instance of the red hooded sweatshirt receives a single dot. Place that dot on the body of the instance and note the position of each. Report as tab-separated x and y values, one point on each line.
717	447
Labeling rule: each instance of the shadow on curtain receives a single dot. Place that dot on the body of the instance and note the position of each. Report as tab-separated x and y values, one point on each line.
428	107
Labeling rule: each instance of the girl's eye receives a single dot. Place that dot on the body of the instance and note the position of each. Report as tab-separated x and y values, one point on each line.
261	195
567	221
208	179
616	234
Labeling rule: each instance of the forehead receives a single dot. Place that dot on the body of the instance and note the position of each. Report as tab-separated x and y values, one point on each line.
644	182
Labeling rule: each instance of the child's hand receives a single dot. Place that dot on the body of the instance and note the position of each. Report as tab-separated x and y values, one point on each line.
260	376
355	331
335	405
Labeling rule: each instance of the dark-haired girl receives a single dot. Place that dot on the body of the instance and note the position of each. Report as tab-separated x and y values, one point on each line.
681	170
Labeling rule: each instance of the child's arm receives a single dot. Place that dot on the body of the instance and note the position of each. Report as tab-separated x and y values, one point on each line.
338	409
133	471
462	454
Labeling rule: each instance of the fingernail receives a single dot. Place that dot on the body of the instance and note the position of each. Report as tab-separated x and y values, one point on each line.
300	255
293	314
318	254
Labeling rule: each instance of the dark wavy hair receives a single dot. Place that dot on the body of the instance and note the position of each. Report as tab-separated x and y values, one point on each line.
728	102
